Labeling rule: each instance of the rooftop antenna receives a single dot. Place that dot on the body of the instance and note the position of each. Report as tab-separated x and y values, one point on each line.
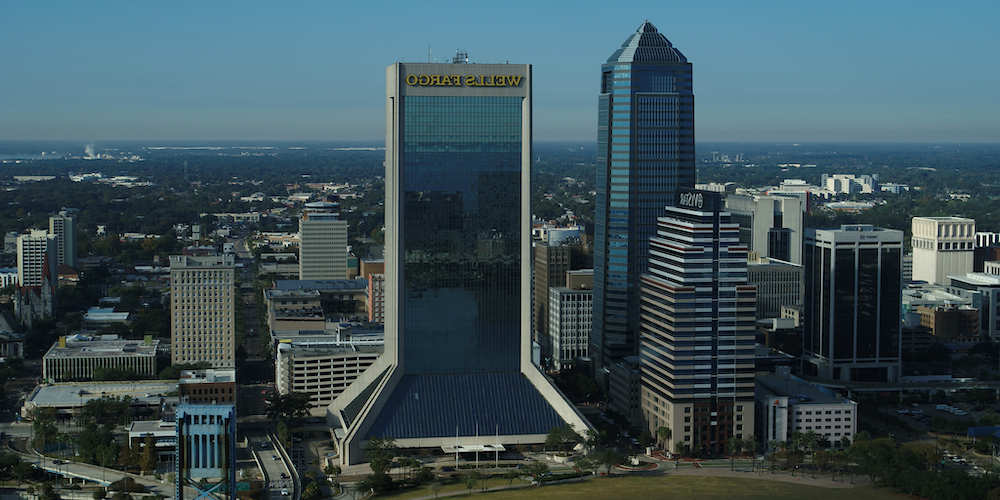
460	57
428	53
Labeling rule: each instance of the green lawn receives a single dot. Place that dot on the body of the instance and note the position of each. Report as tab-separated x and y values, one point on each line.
628	488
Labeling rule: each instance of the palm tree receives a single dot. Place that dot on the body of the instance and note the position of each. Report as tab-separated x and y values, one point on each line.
810	439
750	443
735	444
664	433
773	445
798	439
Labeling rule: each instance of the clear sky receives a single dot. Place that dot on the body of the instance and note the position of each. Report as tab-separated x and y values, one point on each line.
876	71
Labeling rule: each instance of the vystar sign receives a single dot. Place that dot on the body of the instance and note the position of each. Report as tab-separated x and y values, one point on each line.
692	200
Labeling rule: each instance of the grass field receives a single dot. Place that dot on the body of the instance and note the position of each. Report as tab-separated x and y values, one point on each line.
628	488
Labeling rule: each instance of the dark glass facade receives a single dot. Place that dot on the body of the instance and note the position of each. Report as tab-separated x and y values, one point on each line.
457	168
461	238
852	303
645	152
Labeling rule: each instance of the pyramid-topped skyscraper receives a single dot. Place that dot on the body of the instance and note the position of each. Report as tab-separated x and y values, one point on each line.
645	153
457	371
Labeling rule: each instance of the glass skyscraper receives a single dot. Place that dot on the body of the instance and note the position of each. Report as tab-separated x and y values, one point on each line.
456	370
645	152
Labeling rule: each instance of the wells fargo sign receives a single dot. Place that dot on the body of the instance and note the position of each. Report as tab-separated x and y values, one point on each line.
463	80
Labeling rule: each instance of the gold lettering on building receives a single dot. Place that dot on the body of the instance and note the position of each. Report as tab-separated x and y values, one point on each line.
466	80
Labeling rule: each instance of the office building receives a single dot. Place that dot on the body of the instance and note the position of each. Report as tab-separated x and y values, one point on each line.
850	183
36	258
571	313
322	242
645	152
852	302
698	327
206	452
787	404
204	387
35	296
769	225
79	360
375	298
778	284
942	247
202	310
63	228
982	291
553	258
456	369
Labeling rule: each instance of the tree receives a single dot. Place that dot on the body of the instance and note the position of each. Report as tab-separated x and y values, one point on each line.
471	478
510	475
100	494
147	462
664	434
608	459
563	437
379	451
735	445
773	445
538	469
435	488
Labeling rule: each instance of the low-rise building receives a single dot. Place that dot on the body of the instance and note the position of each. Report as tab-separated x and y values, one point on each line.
323	370
97	318
211	386
78	360
786	404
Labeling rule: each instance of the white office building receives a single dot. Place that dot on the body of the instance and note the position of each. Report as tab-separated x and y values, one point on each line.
322	242
942	247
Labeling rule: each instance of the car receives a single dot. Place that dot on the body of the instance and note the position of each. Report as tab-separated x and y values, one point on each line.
264	445
274	457
284	492
57	462
284	476
902	411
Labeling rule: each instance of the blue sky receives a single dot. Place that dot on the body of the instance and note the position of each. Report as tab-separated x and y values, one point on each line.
876	71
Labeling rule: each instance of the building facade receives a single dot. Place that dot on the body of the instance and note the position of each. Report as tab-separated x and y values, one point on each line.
36	258
77	361
853	303
645	152
202	310
778	284
458	268
322	370
63	227
942	247
322	242
698	327
786	404
769	225
206	451
571	314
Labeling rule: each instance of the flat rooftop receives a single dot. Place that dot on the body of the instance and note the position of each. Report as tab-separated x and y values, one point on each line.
72	395
796	389
103	349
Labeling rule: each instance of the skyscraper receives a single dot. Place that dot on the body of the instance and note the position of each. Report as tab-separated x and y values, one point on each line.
202	310
645	152
63	227
698	325
852	303
456	370
322	242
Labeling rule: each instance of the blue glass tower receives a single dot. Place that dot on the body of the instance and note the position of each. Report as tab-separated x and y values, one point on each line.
456	369
645	152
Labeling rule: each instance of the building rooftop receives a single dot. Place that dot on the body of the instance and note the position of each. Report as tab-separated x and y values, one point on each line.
208	376
75	394
797	389
647	45
351	284
103	348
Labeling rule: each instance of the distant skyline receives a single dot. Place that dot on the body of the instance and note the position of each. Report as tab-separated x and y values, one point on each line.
783	71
